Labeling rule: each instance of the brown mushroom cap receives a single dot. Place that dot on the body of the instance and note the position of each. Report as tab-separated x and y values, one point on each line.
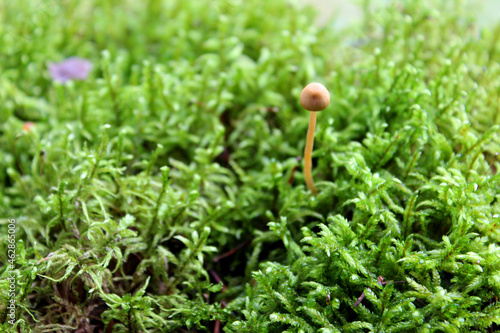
315	97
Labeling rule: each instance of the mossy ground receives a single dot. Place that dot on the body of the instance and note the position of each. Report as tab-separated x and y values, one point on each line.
165	192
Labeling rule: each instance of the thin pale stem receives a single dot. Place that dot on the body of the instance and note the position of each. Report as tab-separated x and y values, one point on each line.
308	153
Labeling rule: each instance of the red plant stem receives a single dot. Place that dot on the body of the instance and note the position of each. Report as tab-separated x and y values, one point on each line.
217	279
232	251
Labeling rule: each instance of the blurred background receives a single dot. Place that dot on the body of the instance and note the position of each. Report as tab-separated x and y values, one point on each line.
346	11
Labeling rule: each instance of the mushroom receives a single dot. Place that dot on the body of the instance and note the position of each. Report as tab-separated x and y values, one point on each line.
315	97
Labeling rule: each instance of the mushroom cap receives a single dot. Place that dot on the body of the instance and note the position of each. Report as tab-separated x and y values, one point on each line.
315	97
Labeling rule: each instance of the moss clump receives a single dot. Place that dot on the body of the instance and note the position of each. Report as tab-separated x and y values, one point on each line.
163	193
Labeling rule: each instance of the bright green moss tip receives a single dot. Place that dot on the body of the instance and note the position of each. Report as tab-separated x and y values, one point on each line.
163	191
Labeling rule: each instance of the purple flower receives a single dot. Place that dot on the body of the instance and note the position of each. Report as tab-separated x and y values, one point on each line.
71	68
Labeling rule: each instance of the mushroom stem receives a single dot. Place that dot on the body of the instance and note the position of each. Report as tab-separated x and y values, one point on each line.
308	153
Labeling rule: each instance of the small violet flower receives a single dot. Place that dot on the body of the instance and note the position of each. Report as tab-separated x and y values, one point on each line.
71	68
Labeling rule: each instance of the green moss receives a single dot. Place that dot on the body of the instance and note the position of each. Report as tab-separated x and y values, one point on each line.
174	165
